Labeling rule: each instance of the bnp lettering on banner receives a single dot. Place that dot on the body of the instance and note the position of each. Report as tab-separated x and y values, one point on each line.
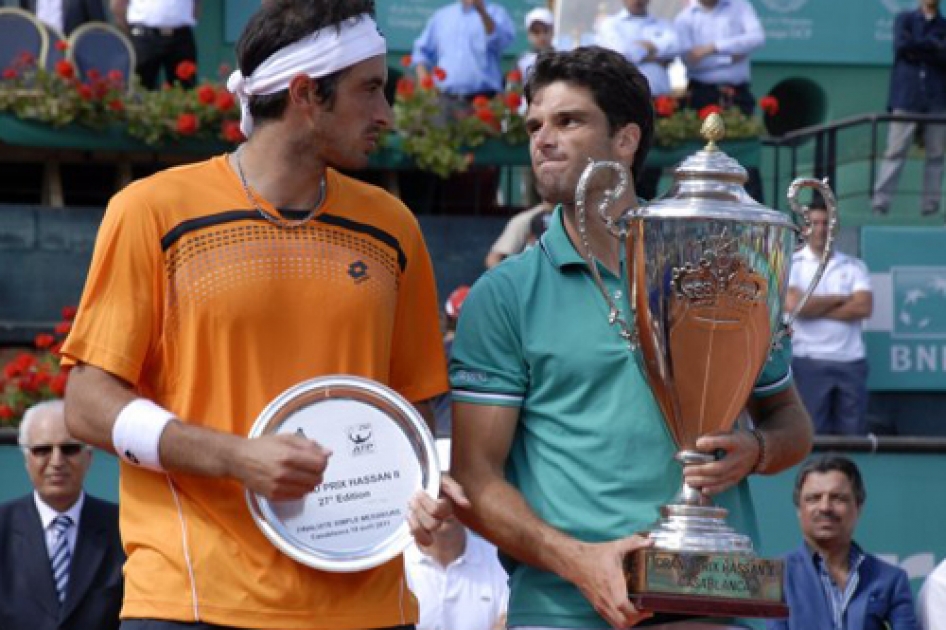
906	335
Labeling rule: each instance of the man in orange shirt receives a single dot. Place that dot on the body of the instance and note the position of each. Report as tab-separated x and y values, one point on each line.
216	286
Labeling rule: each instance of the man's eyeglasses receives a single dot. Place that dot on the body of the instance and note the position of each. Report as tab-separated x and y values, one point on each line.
42	451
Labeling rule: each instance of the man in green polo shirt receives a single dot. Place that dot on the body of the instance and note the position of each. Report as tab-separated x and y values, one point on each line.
557	439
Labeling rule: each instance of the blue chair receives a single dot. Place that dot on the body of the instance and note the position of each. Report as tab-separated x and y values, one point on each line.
21	33
102	47
53	53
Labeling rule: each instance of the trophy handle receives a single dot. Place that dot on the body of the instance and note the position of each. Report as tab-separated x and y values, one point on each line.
802	211
619	227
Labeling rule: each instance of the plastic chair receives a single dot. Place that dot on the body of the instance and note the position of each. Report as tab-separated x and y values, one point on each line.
102	47
21	33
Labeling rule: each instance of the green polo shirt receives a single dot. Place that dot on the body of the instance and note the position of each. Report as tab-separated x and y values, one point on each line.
591	454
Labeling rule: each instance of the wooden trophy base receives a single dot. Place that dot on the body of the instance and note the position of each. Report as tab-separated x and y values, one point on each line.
708	584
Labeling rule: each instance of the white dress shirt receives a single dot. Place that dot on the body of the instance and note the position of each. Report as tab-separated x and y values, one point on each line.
470	594
47	515
50	12
931	602
161	13
734	28
823	338
623	31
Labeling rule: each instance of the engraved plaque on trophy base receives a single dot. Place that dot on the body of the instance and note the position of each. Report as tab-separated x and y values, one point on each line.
710	584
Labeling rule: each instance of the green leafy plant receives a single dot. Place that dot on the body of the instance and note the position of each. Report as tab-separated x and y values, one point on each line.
676	125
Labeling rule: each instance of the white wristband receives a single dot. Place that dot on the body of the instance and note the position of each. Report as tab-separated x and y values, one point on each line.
137	432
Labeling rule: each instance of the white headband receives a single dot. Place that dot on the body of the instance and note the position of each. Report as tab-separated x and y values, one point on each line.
317	55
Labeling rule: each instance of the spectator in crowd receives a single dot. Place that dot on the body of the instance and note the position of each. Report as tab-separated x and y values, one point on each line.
163	36
557	439
648	42
515	236
540	30
917	86
60	553
931	602
716	39
218	286
651	44
466	38
66	15
458	580
830	361
830	582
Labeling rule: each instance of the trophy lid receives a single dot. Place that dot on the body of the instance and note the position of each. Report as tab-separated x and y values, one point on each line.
710	183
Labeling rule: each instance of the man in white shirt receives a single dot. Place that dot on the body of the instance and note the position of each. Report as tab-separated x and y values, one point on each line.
931	602
830	364
458	580
60	552
163	36
716	39
646	41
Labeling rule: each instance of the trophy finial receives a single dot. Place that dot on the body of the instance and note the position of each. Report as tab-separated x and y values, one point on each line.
713	129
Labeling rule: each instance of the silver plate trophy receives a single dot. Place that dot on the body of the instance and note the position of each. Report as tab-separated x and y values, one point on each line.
707	273
382	454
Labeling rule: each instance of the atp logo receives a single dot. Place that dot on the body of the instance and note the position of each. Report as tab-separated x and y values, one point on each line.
784	6
919	301
361	439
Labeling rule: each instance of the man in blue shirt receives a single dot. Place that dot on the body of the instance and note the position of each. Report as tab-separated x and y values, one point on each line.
830	583
466	39
917	86
557	438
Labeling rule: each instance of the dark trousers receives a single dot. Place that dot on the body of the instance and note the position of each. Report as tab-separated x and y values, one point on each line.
160	624
155	51
702	94
835	394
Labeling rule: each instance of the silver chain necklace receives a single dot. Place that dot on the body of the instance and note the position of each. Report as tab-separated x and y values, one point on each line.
276	219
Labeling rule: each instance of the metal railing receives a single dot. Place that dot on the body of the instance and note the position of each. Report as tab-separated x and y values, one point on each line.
823	142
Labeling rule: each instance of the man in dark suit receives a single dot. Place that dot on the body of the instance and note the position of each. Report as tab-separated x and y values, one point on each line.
66	15
830	583
60	551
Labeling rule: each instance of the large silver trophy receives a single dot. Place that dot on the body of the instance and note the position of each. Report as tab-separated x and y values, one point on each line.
707	273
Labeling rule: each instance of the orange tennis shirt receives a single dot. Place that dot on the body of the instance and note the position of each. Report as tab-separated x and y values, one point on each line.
212	311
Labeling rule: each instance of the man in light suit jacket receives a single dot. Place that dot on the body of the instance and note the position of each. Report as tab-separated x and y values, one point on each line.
830	583
84	591
66	15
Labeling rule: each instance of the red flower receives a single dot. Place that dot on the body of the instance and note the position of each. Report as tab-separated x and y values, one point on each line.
63	328
514	76
65	69
44	340
93	74
769	105
58	384
115	76
185	70
10	73
405	87
206	94
116	105
427	83
25	58
513	100
231	132
85	92
62	45
486	115
225	101
439	73
710	109
480	102
6	413
665	106
406	61
187	124
69	313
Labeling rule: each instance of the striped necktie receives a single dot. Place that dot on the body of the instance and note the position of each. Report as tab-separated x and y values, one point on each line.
61	557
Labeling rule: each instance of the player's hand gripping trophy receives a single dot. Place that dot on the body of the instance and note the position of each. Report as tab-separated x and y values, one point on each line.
707	271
